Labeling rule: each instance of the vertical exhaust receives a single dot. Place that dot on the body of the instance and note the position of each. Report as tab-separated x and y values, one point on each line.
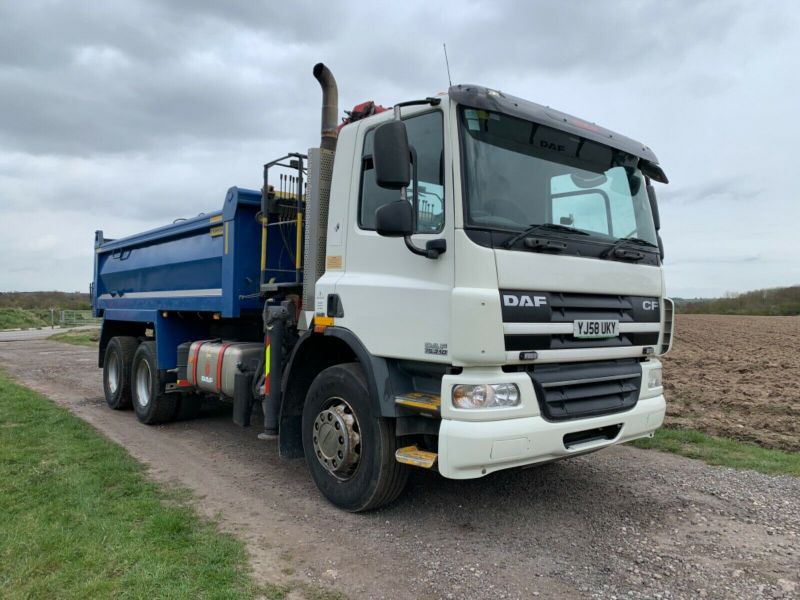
330	106
318	192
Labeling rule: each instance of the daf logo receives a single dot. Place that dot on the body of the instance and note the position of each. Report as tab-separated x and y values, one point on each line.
522	300
650	305
553	146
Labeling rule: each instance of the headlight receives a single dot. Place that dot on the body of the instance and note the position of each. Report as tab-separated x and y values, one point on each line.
495	395
654	378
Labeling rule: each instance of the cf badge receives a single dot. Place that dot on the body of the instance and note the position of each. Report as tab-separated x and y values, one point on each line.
650	305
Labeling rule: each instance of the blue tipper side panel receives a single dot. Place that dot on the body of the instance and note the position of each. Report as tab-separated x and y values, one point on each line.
206	264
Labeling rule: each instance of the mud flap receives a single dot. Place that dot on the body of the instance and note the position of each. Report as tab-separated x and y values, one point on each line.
242	399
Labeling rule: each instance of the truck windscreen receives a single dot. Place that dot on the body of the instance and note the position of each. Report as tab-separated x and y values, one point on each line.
519	173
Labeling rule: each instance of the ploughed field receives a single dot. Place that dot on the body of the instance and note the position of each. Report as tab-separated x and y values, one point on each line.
736	376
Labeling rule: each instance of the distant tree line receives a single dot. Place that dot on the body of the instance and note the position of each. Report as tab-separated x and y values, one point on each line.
45	300
772	302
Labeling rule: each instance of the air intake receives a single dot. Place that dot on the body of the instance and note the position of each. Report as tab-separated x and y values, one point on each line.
669	326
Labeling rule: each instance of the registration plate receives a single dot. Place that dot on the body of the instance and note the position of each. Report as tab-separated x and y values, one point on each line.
595	328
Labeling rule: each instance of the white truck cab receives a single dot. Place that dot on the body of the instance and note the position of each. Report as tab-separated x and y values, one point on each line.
540	323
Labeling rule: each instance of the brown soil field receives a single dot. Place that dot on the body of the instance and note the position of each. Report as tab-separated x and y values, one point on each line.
736	376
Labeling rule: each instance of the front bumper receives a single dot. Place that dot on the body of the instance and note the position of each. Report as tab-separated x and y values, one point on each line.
469	449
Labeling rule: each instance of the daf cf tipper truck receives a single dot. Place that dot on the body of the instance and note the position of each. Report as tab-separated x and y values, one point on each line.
467	282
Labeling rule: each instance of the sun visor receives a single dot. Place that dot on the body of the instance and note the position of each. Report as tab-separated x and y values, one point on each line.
479	97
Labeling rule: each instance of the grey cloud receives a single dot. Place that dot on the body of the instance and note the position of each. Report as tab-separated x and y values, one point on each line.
119	79
618	41
712	260
125	115
731	189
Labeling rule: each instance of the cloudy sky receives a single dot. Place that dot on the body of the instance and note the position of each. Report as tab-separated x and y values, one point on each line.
123	116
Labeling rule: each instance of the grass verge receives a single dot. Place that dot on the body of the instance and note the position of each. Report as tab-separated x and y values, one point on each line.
722	451
21	318
82	337
79	519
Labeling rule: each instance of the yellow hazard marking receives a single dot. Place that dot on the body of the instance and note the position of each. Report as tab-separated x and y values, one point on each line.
323	321
420	400
263	243
266	361
215	219
216	231
299	238
411	455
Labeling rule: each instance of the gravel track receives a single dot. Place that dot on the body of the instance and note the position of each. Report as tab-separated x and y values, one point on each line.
622	523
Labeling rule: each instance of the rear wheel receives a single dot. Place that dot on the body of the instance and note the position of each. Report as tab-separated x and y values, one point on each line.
117	371
350	452
150	402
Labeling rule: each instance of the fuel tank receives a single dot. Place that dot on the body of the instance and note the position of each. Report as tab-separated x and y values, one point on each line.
213	365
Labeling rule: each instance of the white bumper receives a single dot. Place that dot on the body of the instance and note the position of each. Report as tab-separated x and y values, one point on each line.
469	449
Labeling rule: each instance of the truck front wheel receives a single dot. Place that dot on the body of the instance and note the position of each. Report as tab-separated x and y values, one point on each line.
350	452
117	371
150	402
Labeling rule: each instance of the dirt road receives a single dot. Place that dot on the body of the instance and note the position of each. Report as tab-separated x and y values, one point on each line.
622	523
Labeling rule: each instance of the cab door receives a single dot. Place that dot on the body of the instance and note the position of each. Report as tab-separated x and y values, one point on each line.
395	301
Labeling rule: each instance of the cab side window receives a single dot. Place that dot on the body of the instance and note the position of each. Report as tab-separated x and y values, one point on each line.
426	138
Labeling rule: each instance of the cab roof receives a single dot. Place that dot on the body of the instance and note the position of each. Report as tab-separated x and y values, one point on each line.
476	96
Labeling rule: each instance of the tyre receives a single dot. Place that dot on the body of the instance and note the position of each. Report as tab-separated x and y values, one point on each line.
117	371
150	402
349	452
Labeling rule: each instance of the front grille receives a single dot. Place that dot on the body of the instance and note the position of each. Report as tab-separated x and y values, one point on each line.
557	307
669	325
577	390
569	307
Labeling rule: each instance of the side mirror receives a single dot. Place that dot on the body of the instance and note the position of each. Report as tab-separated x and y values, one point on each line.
651	196
391	156
395	219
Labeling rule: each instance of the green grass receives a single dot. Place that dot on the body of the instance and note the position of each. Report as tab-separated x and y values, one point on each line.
79	519
722	451
22	318
81	337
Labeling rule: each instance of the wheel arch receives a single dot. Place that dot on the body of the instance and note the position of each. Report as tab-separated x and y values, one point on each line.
314	353
110	329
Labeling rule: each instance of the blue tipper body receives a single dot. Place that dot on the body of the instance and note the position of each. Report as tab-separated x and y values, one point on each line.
206	264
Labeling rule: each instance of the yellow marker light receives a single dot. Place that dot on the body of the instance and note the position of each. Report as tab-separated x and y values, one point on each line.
263	243
298	246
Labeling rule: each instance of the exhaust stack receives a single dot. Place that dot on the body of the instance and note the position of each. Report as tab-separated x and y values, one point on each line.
318	192
330	106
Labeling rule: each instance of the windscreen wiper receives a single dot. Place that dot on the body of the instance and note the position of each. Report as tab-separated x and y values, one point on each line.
536	227
619	251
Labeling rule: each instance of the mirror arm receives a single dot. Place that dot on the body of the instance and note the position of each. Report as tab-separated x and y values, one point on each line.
414	183
433	248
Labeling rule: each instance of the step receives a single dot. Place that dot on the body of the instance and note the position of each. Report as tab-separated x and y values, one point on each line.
411	455
420	401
